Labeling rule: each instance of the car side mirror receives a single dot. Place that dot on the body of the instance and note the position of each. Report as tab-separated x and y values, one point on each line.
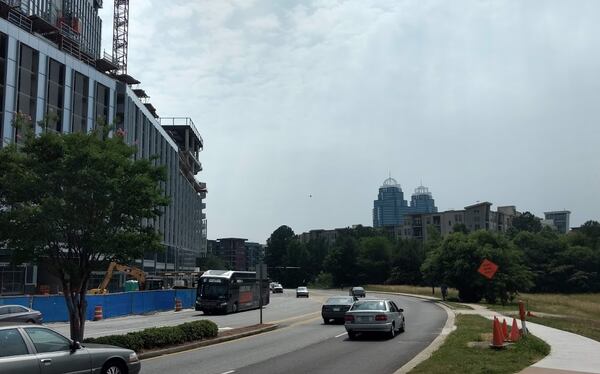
401	310
355	298
75	345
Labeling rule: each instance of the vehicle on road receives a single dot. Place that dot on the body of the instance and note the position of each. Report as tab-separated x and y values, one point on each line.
301	292
358	292
377	315
228	291
277	288
31	349
19	313
336	307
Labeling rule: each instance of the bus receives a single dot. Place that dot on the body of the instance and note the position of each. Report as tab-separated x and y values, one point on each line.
228	291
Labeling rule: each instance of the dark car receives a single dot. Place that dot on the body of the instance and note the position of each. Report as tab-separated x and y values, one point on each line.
358	292
28	349
19	313
335	308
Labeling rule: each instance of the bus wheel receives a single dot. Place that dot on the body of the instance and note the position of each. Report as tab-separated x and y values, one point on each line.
234	308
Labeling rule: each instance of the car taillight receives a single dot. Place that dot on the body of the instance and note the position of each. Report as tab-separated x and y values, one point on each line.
381	317
349	318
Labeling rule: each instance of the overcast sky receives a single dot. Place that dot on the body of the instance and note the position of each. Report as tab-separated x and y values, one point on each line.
482	100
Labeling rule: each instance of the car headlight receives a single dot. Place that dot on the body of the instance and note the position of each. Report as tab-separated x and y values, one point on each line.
133	357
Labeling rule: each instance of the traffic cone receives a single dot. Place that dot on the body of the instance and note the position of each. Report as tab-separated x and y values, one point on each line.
504	330
529	314
98	313
515	334
497	338
178	306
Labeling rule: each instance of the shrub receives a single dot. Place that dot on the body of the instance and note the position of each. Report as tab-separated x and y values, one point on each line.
158	337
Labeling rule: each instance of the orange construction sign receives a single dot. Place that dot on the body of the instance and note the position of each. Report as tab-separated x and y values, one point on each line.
488	269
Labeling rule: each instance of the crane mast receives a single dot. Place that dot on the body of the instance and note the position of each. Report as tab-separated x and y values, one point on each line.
120	34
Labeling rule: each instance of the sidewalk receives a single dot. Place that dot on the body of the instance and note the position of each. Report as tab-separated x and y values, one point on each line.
569	353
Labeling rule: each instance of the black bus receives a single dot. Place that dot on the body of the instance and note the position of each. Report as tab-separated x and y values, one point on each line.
227	291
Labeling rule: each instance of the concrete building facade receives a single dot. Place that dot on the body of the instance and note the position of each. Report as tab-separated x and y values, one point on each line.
72	87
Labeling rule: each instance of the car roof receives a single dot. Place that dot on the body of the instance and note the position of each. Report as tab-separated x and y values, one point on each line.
7	305
340	297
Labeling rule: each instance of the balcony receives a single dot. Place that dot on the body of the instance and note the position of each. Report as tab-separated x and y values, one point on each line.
183	131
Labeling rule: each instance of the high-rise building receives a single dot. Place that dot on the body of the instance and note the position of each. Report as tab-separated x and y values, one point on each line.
422	201
51	69
560	218
390	207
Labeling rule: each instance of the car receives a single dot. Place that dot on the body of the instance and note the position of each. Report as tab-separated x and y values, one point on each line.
358	292
19	313
301	292
376	315
336	307
272	285
278	288
32	349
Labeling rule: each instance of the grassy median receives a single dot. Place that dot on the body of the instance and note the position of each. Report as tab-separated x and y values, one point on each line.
456	356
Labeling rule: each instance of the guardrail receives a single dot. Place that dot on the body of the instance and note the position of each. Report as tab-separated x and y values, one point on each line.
54	308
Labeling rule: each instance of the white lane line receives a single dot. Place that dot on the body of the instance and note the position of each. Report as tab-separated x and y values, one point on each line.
337	336
229	372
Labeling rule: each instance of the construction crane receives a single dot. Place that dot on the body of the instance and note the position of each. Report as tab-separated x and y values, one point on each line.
136	273
120	34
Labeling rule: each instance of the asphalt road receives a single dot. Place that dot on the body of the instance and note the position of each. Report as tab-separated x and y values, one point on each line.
283	308
306	345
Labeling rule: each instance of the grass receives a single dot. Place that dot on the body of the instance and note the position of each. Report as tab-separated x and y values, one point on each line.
424	291
455	356
577	313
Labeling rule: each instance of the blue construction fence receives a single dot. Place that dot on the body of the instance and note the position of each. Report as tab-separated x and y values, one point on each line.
54	308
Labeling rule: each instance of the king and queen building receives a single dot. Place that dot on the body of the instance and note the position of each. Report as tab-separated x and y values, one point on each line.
51	69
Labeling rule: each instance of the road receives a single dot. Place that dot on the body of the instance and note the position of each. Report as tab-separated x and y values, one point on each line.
306	345
283	309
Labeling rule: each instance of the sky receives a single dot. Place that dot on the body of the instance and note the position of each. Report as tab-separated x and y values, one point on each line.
306	106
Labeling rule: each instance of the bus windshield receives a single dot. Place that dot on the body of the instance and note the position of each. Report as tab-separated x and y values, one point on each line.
213	289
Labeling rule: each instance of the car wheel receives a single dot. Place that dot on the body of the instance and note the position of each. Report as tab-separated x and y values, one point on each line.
113	367
31	321
402	327
326	321
392	332
234	308
351	335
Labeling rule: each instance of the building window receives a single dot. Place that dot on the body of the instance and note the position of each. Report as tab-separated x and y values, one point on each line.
80	103
101	104
55	95
2	82
27	86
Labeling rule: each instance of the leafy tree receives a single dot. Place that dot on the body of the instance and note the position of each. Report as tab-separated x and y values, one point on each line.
459	256
374	259
407	258
460	227
211	262
341	261
77	202
277	250
526	222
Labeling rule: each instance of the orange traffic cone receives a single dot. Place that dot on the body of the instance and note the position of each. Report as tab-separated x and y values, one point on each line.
497	338
515	334
98	313
504	330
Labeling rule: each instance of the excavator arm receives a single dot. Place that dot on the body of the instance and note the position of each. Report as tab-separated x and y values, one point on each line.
132	271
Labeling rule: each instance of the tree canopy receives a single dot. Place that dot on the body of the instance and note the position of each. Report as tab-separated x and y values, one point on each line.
77	202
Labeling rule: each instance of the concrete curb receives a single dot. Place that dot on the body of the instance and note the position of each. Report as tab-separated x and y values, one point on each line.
204	343
435	344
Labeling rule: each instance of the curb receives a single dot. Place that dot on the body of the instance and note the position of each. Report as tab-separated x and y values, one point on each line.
204	343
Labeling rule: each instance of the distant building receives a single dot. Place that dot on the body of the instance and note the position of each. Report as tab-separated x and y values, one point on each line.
422	201
478	216
237	253
254	252
560	219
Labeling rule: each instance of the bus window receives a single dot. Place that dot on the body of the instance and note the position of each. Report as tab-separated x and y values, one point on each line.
213	289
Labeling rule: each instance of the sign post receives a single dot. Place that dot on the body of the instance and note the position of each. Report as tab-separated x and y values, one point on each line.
260	274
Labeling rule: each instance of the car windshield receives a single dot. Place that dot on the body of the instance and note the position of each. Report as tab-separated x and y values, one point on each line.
358	289
369	305
340	300
302	289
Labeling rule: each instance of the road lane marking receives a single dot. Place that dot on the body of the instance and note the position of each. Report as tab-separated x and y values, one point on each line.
228	372
337	336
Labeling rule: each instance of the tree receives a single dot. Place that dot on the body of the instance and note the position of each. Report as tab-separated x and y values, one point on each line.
526	222
211	262
341	261
459	256
460	227
407	259
77	202
277	250
374	259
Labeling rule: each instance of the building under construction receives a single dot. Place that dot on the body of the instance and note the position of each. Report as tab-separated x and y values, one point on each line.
51	68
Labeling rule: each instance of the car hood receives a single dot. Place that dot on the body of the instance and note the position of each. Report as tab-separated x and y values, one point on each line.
93	346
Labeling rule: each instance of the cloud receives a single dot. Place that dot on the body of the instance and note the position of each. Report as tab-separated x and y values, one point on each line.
483	100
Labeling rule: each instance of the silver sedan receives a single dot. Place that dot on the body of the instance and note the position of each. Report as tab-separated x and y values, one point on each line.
19	313
28	349
374	316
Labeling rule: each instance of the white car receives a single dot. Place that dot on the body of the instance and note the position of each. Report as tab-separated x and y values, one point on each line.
277	288
301	292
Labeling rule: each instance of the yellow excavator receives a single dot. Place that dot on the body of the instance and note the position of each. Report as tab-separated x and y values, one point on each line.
132	271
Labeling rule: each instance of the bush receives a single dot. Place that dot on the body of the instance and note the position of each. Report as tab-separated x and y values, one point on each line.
158	337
